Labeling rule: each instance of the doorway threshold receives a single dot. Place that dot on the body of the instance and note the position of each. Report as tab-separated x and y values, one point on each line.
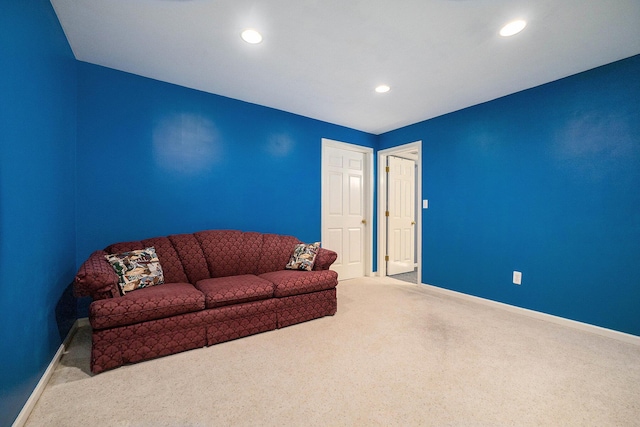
411	276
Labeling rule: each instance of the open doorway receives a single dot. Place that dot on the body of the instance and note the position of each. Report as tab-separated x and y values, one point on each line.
399	212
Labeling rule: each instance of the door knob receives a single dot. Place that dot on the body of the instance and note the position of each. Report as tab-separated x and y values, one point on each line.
413	223
364	221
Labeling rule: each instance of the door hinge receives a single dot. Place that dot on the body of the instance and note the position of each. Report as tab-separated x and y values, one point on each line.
386	257
387	169
386	213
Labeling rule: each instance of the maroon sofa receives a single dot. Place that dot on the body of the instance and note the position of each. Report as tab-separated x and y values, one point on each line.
219	285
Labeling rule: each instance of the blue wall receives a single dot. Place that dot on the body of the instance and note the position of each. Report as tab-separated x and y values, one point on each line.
546	182
37	200
543	181
157	159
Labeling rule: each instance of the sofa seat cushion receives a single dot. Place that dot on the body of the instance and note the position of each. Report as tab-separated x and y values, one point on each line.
144	304
222	291
292	282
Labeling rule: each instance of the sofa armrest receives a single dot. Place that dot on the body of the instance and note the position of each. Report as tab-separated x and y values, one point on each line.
324	259
96	278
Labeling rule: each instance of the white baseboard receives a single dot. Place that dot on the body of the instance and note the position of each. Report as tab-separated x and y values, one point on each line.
609	333
37	392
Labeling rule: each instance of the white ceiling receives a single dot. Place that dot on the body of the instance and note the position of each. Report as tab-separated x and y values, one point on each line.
323	58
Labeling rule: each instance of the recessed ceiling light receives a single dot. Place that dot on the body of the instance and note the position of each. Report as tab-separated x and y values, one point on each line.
383	89
251	36
513	27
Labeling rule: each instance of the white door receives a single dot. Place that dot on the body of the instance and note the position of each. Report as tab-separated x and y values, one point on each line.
343	206
401	218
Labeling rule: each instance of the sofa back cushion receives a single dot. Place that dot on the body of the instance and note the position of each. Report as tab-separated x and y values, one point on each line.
191	256
221	249
276	251
230	252
251	253
169	260
117	248
215	253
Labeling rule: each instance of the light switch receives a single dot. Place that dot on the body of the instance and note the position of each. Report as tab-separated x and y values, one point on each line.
425	204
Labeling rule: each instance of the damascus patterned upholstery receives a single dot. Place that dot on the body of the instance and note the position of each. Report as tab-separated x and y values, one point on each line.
300	308
236	321
144	304
324	259
169	260
219	285
294	282
191	256
221	291
117	248
276	251
142	341
96	278
222	250
251	252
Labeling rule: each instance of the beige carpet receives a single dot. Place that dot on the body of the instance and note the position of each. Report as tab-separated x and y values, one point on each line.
394	354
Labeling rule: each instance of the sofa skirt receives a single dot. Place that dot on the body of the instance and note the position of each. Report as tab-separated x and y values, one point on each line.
156	338
115	347
119	346
241	320
300	308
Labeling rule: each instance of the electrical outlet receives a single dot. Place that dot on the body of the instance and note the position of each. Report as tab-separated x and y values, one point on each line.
517	278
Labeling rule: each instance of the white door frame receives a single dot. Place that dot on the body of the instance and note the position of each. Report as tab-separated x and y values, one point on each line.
368	196
382	203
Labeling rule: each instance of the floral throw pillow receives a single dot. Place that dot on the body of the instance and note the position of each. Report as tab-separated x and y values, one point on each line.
303	257
137	269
